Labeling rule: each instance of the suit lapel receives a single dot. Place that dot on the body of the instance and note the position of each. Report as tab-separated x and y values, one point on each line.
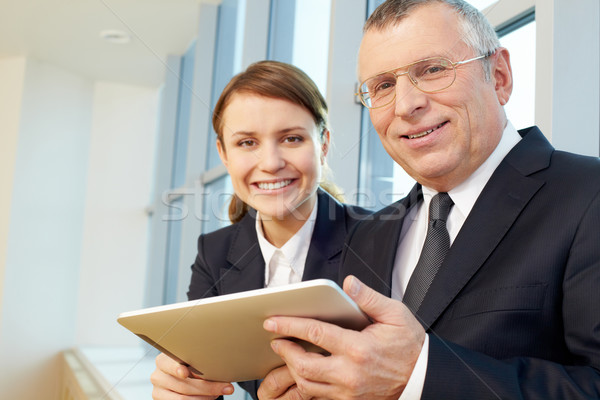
500	203
246	266
327	239
377	261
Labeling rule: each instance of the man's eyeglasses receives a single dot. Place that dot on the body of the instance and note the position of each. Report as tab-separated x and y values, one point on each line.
430	75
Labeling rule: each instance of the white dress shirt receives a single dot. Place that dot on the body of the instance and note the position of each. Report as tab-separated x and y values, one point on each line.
286	264
414	230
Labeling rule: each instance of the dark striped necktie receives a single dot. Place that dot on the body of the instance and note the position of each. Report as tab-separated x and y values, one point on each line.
437	243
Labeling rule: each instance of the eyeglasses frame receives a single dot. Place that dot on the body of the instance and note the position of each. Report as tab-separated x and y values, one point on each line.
410	78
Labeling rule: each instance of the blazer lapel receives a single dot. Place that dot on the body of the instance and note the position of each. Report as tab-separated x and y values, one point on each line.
246	266
327	239
376	263
500	203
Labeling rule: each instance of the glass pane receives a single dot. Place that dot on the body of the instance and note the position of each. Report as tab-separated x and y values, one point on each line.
183	117
377	180
520	109
216	197
481	4
311	40
281	31
376	169
224	69
175	218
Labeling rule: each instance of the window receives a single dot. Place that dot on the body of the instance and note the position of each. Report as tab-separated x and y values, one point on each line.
520	109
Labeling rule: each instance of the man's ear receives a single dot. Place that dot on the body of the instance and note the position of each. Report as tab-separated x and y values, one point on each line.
324	144
502	75
222	152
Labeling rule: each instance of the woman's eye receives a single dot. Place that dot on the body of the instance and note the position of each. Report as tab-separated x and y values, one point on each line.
246	143
293	139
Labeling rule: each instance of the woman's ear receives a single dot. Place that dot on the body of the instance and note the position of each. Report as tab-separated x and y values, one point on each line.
502	75
324	144
222	152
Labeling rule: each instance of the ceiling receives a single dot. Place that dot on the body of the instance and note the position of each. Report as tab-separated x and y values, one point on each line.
66	33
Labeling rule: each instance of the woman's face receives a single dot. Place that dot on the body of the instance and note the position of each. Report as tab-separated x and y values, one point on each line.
274	153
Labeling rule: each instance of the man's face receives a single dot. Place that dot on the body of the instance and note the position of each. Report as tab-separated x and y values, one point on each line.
441	138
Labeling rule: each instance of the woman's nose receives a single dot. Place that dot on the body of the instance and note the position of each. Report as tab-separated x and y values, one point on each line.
271	158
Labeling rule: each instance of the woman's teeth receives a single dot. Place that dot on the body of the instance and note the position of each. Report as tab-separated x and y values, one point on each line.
274	185
419	135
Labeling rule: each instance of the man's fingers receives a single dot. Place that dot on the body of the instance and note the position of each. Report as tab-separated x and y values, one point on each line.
276	383
326	336
377	306
303	365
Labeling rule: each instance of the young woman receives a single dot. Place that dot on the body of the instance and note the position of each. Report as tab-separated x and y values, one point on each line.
272	136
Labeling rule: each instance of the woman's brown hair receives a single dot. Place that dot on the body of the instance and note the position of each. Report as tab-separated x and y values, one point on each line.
280	81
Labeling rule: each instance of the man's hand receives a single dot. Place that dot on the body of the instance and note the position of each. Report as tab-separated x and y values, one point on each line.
373	364
279	384
172	380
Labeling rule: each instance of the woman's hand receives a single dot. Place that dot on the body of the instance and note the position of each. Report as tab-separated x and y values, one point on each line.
172	381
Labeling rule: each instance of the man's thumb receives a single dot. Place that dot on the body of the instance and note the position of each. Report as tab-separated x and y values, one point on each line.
377	306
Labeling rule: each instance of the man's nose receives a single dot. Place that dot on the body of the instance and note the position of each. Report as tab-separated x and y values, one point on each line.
409	100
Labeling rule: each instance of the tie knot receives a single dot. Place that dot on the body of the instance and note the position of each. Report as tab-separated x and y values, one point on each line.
440	205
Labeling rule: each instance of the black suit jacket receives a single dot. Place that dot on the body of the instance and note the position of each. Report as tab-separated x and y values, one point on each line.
514	311
229	260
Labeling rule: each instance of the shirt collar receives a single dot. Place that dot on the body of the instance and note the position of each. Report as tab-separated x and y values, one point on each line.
465	194
295	249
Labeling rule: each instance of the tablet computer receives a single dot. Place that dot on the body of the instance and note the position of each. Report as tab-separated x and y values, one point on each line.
222	338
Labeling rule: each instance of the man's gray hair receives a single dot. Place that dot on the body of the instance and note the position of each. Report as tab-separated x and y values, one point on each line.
477	32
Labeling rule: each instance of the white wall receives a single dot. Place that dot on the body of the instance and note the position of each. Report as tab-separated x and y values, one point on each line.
45	230
12	76
76	163
119	176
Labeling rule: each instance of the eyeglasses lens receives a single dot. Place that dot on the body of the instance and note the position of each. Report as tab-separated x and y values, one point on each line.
430	75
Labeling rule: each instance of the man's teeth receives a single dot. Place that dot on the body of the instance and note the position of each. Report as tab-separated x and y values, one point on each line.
274	185
418	135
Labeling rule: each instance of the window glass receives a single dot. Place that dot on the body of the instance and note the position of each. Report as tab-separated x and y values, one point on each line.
216	197
377	169
178	174
175	218
281	31
311	40
183	117
481	4
521	44
225	62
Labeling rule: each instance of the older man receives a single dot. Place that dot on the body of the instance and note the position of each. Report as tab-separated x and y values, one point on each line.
495	252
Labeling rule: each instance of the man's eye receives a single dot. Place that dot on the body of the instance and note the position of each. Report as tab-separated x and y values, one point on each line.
434	69
382	87
429	71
